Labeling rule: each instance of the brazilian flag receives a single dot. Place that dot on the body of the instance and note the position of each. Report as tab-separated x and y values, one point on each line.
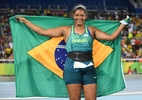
39	60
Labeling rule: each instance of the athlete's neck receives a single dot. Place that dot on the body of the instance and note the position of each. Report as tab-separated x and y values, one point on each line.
80	29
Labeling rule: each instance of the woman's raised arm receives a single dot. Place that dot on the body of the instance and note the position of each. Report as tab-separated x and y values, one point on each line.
53	32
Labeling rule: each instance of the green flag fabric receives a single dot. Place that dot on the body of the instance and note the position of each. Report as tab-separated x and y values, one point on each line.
34	79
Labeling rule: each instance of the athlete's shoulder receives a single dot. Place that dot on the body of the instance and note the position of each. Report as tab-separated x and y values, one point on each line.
65	27
91	28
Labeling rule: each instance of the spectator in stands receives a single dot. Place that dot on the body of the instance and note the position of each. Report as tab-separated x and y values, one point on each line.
134	71
65	14
54	12
48	12
129	71
8	52
1	51
131	27
60	12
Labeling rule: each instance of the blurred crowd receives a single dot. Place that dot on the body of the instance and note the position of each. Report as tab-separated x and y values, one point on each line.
131	41
6	44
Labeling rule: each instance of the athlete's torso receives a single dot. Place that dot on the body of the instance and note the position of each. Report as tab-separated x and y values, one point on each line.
77	42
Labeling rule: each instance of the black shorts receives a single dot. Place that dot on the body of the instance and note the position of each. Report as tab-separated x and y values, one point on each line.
80	77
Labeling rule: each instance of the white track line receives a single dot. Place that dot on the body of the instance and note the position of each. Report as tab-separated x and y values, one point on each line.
128	93
34	98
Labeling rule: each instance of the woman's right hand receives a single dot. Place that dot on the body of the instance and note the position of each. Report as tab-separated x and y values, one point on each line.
20	19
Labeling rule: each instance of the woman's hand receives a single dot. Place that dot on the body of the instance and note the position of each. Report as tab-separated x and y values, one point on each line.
125	21
20	19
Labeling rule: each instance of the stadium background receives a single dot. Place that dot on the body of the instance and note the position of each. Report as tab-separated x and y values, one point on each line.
97	9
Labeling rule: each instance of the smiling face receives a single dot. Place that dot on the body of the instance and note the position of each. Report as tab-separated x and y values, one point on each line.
79	17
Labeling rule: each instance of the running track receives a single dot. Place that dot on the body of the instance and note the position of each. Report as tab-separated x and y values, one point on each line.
132	92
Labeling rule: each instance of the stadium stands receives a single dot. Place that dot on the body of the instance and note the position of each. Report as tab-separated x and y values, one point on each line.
100	9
